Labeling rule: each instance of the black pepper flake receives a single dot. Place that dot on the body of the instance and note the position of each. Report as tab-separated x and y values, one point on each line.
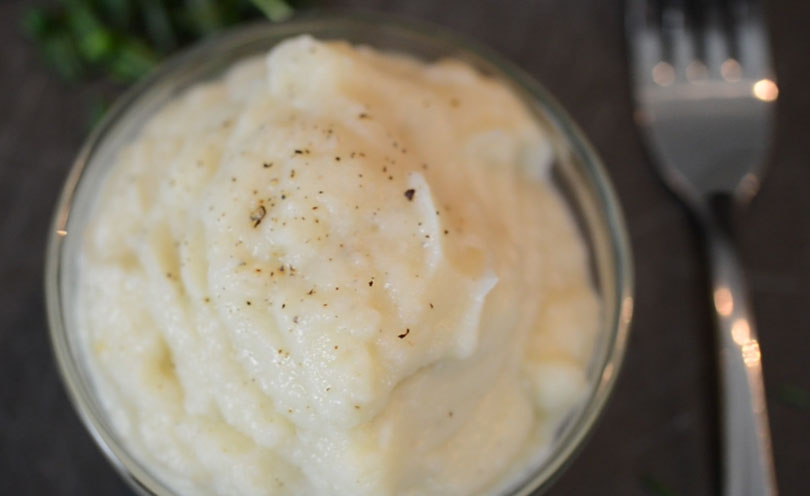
370	283
299	152
295	319
267	165
362	115
292	173
409	194
431	305
283	305
248	303
446	231
402	336
257	215
283	197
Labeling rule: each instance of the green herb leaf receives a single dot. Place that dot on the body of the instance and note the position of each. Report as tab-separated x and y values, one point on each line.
36	22
117	12
131	60
158	25
60	52
124	39
275	10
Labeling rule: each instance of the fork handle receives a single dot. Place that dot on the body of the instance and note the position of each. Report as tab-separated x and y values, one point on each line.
748	461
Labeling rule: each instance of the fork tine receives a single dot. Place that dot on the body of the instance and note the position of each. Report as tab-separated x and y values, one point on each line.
697	15
752	40
728	15
643	23
682	37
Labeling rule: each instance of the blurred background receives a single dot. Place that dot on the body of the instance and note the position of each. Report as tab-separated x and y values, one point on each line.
63	62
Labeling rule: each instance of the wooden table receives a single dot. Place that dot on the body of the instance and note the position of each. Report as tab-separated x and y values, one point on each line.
659	425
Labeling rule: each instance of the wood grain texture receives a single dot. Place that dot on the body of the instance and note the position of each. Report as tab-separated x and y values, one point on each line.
660	420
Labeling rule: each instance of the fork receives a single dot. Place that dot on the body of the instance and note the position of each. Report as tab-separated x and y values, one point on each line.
704	94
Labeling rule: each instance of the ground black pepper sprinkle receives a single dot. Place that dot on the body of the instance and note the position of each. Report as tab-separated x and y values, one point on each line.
257	215
409	194
402	336
267	165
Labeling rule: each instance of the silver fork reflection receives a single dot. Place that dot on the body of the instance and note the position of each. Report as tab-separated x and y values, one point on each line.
704	94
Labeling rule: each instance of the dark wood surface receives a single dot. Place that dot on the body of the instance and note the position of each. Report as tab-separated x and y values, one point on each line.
659	425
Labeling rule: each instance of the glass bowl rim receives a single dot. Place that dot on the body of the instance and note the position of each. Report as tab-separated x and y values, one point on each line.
541	477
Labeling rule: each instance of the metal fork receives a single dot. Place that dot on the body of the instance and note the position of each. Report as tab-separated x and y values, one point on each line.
704	94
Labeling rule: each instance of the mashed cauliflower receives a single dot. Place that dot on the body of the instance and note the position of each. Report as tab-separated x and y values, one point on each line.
336	271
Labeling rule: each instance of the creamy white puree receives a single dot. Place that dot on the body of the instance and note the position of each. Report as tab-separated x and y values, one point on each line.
336	271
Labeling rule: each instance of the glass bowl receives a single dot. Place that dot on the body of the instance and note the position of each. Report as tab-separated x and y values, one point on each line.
577	172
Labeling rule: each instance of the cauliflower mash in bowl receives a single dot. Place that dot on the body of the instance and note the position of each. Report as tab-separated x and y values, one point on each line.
346	255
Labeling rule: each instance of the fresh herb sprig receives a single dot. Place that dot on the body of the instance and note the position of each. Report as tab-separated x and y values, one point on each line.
124	39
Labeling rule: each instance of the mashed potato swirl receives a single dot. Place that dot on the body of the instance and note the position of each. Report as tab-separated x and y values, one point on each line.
336	271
